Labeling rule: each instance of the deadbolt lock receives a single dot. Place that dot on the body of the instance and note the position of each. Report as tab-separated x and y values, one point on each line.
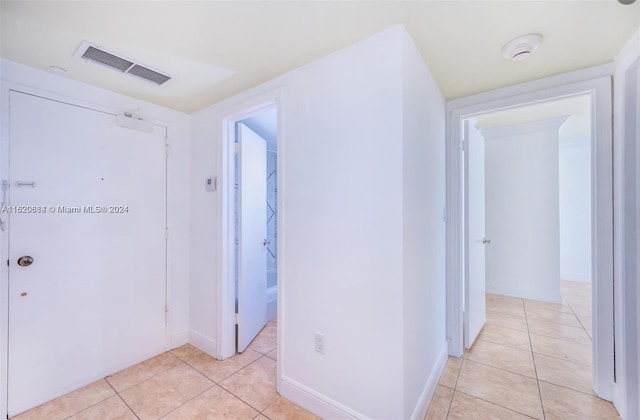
25	261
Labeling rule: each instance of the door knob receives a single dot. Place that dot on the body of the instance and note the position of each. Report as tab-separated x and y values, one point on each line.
486	241
265	242
25	261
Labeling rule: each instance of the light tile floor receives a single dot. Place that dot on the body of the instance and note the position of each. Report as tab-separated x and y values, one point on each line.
531	360
184	383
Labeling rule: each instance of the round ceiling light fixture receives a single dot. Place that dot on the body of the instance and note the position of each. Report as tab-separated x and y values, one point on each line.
520	48
627	2
57	69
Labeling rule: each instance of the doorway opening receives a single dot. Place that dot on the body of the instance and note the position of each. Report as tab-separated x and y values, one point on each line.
250	202
256	248
527	235
534	249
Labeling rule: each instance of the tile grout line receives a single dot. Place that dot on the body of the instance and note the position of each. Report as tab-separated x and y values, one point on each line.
184	362
506	345
181	361
146	379
577	317
549	336
494	403
455	385
189	400
562	358
222	387
237	396
535	366
504	370
84	409
572	389
501	368
227	377
558	323
122	399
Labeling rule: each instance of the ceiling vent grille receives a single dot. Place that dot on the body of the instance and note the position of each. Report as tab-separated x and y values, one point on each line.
148	74
94	54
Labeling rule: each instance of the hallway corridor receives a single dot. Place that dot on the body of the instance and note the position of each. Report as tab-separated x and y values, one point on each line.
531	360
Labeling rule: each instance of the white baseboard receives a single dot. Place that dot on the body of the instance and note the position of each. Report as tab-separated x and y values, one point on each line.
422	406
203	343
527	294
313	401
586	277
178	339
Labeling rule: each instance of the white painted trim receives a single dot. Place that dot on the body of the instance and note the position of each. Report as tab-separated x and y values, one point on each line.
317	403
561	86
234	109
422	406
532	86
627	294
178	338
202	342
525	128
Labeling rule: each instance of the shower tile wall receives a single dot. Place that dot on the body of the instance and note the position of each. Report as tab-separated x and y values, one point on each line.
272	199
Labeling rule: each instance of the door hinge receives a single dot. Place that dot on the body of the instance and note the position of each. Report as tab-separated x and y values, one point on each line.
166	314
166	149
5	190
236	147
166	234
235	320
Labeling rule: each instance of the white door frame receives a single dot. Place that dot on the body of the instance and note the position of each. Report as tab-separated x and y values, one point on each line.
6	87
226	334
595	82
627	240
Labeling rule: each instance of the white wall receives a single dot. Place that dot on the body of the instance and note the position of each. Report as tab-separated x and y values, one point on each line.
425	346
204	235
23	78
346	188
575	208
627	215
522	210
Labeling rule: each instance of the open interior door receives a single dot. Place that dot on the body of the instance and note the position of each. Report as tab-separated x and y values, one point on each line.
252	233
474	231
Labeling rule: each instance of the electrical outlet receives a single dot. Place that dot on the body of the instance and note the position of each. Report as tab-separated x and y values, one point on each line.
320	343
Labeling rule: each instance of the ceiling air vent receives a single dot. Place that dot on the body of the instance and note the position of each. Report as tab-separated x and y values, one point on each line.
92	53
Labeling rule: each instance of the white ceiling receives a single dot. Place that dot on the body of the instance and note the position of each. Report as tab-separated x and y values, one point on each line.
215	49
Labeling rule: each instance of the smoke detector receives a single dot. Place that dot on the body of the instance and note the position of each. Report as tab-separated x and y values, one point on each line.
520	48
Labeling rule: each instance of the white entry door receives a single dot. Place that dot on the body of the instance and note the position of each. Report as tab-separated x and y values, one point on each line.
475	241
252	233
88	207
